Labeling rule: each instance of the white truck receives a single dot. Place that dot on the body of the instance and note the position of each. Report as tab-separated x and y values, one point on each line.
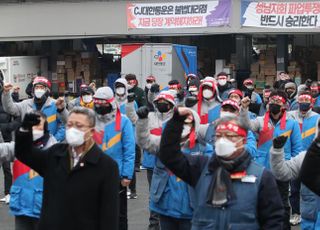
18	70
164	61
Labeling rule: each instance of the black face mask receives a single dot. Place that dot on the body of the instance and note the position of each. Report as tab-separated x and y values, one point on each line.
163	107
274	108
315	95
304	106
103	110
290	93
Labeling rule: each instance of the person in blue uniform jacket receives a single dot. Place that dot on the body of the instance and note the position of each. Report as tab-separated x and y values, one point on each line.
222	183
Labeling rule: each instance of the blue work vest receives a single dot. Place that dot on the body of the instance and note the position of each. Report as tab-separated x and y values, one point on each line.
239	214
169	195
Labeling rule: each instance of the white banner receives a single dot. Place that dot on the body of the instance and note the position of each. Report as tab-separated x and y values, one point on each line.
178	14
285	15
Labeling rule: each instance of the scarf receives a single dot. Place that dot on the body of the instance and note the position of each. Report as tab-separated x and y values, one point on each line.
89	105
282	121
220	189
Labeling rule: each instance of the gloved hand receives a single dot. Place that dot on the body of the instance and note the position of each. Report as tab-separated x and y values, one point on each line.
155	88
180	95
143	112
279	142
191	101
131	97
308	82
29	120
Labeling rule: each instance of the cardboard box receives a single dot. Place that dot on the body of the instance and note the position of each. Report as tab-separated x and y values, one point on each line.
68	61
60	77
61	69
70	75
269	72
86	75
61	63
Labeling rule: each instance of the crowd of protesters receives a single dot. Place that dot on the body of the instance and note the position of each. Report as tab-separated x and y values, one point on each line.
217	155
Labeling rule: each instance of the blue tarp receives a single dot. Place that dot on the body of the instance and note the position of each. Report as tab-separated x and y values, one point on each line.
188	58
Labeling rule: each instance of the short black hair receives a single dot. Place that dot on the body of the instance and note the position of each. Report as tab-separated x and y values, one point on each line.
222	74
280	93
130	76
173	82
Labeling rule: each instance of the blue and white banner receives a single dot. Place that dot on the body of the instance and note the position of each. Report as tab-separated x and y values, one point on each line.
284	15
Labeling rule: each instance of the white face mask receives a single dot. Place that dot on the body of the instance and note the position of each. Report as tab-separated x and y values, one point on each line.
74	137
120	90
224	147
222	82
148	85
130	87
38	93
186	131
250	86
194	93
226	114
87	98
207	93
36	134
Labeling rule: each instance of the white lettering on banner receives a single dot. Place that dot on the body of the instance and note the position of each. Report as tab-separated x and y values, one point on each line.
281	14
178	14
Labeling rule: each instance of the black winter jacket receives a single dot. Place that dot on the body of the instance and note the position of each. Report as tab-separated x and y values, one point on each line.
82	198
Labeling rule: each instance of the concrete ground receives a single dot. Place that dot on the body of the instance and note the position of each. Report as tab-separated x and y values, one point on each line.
137	209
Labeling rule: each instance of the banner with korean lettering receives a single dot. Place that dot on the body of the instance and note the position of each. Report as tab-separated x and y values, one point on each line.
178	14
285	15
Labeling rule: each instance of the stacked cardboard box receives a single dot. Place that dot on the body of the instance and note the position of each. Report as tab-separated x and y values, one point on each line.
73	68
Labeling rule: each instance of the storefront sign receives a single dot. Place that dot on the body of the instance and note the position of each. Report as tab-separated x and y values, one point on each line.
285	15
178	14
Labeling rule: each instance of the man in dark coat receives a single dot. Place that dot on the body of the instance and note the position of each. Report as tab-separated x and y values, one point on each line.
73	172
140	96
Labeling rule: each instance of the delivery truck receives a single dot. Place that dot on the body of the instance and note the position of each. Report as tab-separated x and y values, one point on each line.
19	70
162	60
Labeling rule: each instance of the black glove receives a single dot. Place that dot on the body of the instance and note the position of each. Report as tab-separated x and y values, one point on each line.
308	83
155	88
279	142
191	101
29	120
143	112
180	95
131	97
248	93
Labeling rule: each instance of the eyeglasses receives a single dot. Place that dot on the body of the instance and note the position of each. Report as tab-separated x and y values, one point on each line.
230	137
78	126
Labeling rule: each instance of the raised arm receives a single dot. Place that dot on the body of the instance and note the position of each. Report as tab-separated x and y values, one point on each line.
6	152
24	150
131	112
186	167
254	124
8	105
145	140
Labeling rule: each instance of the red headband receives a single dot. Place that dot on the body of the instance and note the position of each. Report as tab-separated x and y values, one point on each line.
236	91
99	101
314	88
232	103
165	97
248	81
277	97
305	96
232	128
